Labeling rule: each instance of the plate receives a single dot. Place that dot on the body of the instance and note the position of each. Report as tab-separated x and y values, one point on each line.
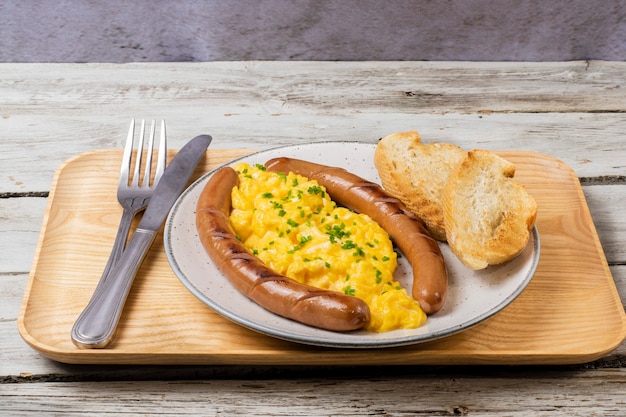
473	296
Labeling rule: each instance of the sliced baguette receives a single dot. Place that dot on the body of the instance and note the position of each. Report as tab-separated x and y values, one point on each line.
417	173
488	215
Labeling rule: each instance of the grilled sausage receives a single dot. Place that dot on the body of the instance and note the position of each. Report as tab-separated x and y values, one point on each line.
277	293
430	277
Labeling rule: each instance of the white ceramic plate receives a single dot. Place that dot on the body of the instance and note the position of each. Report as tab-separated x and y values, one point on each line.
473	296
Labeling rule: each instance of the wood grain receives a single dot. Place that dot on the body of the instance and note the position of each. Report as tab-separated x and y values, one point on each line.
165	324
554	108
336	395
573	111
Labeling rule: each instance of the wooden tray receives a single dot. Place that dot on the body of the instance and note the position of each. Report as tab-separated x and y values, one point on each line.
570	312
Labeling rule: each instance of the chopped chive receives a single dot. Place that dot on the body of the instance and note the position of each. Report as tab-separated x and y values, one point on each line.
348	245
358	252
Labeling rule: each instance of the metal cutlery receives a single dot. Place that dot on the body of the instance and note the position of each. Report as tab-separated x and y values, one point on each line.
96	325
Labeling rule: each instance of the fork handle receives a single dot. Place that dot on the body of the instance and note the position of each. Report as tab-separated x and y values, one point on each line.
96	325
120	241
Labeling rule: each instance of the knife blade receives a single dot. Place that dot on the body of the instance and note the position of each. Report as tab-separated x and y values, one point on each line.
96	325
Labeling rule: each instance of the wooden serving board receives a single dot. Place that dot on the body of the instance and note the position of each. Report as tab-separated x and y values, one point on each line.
569	313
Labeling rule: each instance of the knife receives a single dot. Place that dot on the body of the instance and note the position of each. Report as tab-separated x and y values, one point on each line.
96	325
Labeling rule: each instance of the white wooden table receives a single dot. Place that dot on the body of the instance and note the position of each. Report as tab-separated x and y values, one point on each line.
573	111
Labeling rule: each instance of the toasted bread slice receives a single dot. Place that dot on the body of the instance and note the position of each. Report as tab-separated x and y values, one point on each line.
488	215
416	173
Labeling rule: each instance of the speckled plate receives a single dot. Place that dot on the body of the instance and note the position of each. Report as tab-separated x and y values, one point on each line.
473	296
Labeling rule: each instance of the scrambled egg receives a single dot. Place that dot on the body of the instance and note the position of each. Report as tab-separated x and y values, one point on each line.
293	226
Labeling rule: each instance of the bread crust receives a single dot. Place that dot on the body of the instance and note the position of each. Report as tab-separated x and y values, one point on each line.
416	173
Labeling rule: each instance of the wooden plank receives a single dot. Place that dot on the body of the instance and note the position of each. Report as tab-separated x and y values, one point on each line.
20	227
592	144
606	204
407	87
513	392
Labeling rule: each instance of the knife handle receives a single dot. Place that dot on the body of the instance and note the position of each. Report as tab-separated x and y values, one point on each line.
96	325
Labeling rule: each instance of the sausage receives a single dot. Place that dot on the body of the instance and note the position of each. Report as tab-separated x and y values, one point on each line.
430	277
279	294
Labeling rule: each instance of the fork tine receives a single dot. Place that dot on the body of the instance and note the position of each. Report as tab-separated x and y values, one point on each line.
162	156
127	156
148	169
139	154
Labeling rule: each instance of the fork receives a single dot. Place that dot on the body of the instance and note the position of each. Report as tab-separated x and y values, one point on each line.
132	195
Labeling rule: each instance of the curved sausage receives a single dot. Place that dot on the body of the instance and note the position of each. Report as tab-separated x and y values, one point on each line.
277	293
430	277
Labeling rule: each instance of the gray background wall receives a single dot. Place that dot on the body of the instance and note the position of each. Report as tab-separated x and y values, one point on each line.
209	30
